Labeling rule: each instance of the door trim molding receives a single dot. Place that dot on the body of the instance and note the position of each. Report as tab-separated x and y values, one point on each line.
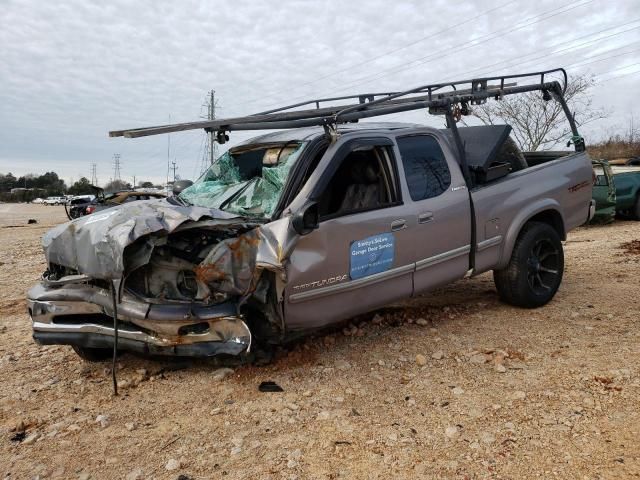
489	242
351	285
389	274
442	257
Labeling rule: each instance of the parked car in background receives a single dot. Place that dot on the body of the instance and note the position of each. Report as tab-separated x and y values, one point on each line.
616	190
54	201
604	192
103	202
75	206
37	200
627	185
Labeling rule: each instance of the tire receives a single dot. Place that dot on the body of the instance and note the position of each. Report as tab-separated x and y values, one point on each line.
93	354
535	269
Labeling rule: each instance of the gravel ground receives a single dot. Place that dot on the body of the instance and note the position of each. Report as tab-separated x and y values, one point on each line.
452	384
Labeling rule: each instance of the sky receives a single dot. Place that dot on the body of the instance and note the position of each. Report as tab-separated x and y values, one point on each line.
70	71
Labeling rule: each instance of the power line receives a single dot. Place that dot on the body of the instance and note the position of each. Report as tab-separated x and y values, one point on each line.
438	55
600	80
566	49
560	44
579	64
456	25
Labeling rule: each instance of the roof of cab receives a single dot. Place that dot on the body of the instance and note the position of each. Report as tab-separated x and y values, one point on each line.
309	133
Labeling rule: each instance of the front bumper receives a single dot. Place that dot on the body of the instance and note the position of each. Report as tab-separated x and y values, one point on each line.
81	314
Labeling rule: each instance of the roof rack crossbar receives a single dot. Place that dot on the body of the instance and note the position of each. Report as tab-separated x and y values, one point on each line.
479	89
268	117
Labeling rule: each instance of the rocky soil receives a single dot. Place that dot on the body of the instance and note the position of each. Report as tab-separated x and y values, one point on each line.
453	384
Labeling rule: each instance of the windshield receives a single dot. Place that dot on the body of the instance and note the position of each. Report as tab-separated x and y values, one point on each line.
246	180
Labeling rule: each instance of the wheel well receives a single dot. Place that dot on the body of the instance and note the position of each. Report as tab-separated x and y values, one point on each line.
552	218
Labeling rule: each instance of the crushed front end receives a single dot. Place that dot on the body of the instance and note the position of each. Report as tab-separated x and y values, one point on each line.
182	277
79	313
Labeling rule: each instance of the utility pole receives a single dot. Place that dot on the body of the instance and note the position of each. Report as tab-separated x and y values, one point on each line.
174	168
94	176
211	152
168	158
116	166
212	116
134	182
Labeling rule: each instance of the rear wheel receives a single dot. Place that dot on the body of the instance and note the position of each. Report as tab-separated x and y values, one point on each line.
535	269
93	354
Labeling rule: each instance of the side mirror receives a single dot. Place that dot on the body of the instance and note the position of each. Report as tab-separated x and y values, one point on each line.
306	219
180	185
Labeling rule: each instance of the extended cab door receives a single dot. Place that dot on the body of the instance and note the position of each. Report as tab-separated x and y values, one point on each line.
360	257
440	204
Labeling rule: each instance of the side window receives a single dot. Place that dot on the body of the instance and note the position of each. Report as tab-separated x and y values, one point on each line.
365	180
425	167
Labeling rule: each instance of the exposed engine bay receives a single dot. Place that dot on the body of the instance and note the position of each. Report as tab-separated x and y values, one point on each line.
178	266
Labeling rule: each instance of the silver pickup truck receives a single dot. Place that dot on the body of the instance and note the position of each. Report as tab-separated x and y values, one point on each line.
324	219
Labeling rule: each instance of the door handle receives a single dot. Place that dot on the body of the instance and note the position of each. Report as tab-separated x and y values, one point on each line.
398	224
425	217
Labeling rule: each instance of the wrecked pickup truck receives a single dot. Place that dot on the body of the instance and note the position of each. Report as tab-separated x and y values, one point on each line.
324	219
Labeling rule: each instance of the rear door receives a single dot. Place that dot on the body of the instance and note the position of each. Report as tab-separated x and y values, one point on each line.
360	257
440	205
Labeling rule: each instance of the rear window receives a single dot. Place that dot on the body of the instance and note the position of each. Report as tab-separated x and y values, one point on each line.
425	167
601	181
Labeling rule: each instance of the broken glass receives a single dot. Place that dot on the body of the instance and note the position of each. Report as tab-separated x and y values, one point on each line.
247	181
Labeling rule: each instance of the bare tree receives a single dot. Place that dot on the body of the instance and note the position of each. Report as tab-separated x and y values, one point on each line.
539	124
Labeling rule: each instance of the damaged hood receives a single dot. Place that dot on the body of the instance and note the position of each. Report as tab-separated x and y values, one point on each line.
94	244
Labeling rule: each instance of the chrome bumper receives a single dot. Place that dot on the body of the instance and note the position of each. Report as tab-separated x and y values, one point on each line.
81	314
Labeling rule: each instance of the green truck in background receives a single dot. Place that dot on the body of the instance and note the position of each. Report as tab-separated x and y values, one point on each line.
616	191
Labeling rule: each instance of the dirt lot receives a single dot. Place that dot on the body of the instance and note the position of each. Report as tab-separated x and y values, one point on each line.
499	392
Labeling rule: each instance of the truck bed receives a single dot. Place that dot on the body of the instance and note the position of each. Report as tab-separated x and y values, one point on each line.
559	186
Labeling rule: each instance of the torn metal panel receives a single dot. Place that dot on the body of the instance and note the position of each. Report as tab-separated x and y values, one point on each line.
278	241
94	245
230	266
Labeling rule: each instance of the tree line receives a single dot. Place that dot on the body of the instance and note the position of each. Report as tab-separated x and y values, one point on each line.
50	184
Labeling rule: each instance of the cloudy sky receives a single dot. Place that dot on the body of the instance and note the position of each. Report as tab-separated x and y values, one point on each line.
70	71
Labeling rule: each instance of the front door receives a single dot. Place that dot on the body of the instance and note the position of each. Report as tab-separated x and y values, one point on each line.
360	257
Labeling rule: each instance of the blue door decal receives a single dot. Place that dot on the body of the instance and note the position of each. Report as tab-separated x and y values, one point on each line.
371	255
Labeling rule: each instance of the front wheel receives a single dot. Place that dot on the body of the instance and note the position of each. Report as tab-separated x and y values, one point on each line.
535	269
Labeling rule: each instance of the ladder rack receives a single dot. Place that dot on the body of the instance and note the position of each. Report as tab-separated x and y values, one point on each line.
438	98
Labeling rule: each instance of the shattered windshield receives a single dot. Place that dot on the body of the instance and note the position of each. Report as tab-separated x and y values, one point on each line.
247	180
